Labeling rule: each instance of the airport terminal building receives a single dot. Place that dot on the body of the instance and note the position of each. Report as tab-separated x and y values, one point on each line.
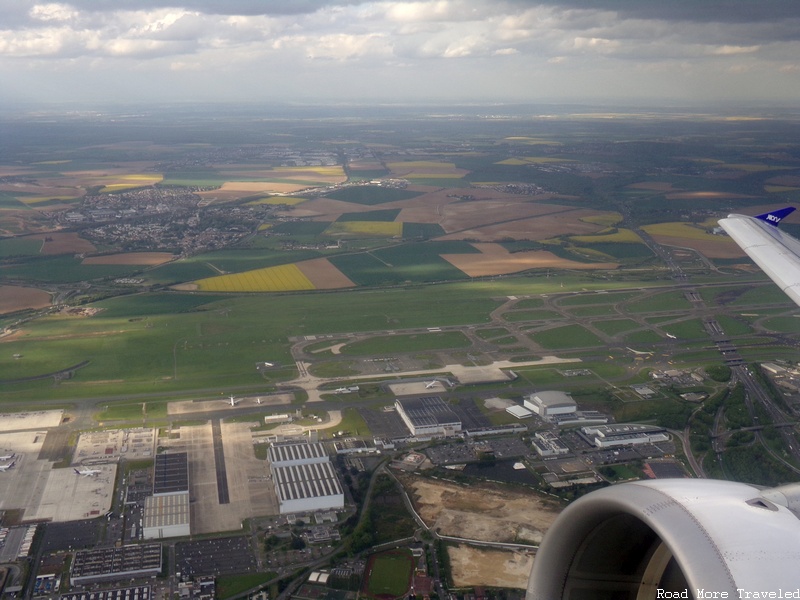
428	417
304	478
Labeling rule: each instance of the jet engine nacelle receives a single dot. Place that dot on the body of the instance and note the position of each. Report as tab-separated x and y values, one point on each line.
673	538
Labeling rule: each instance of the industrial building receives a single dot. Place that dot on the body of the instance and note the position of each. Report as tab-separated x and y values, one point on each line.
547	443
114	564
520	412
624	434
429	416
549	405
304	478
166	512
291	455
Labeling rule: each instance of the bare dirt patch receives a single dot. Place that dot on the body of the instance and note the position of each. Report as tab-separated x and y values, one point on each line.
493	568
482	511
324	275
14	298
496	260
130	258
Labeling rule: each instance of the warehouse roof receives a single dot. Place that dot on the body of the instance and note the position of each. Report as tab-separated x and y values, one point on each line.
288	453
306	481
428	411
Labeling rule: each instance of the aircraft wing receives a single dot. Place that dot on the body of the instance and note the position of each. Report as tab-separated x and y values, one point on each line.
776	252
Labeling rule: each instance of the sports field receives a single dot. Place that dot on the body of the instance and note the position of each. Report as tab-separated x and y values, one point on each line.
388	574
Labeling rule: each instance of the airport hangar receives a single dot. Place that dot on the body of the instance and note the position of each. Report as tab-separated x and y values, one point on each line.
166	512
304	478
550	404
429	416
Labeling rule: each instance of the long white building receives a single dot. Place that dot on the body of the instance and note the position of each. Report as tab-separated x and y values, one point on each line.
624	434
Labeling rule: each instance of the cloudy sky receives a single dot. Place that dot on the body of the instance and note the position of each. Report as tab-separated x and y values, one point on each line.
319	51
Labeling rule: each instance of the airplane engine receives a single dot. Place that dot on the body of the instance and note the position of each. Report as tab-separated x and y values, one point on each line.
672	538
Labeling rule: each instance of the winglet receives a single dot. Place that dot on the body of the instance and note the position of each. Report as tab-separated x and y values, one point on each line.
776	216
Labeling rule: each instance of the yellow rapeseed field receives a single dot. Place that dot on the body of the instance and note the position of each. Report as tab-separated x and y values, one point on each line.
678	230
283	278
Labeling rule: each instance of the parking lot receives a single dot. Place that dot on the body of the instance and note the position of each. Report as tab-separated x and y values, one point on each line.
222	556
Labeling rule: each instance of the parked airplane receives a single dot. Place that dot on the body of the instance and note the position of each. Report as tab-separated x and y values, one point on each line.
775	251
258	400
4	468
431	384
234	401
87	472
7	456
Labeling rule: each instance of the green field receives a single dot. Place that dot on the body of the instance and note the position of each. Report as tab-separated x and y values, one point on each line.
389	574
371	195
568	336
388	344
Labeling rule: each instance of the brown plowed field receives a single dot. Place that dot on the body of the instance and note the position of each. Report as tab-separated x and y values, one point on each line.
64	243
324	275
14	298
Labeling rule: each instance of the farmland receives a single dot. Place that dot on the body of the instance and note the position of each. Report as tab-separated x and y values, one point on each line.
204	257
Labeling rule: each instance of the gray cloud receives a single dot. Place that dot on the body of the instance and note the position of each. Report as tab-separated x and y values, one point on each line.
502	49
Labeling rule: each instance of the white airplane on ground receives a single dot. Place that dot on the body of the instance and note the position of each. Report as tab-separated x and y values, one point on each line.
776	252
4	468
86	472
431	384
7	456
234	401
258	400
